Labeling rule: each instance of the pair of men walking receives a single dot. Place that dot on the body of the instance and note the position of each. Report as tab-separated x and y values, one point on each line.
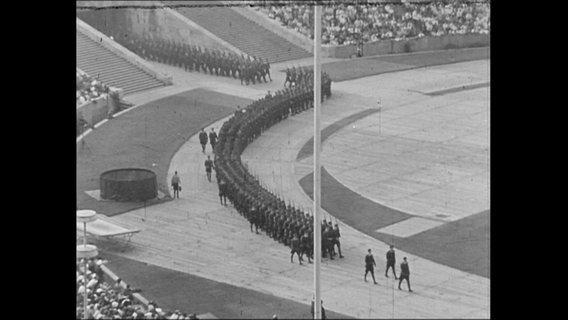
203	138
391	260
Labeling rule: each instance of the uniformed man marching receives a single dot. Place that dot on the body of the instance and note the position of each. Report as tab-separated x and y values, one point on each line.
391	262
335	239
203	139
295	244
369	266
404	274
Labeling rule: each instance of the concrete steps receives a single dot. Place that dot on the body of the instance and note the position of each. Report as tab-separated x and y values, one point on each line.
112	70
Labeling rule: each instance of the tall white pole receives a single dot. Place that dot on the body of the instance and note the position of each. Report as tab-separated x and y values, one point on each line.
317	169
85	299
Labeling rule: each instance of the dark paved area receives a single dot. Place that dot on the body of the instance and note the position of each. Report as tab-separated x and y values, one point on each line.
462	244
308	148
350	207
369	66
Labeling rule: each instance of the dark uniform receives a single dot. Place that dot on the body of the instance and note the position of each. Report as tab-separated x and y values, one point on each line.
326	243
203	139
369	266
222	192
391	260
335	240
322	310
282	223
213	139
253	218
208	167
305	247
404	274
288	77
295	244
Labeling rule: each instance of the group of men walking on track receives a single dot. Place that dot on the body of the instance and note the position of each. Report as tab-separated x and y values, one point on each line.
391	261
304	75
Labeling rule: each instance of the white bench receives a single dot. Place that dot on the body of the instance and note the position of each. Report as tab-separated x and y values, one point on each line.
105	229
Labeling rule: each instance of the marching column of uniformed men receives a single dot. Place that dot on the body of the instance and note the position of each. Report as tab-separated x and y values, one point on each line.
304	75
190	57
263	209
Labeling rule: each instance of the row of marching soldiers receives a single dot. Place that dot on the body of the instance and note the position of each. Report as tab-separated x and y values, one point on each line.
305	75
190	57
263	209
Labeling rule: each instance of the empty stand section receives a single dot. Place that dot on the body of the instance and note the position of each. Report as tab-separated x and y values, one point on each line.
239	31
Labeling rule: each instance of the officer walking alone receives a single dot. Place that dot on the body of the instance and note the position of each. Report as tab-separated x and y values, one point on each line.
404	274
369	266
222	192
208	167
176	184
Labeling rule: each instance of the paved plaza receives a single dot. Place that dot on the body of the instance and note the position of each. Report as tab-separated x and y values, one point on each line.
425	153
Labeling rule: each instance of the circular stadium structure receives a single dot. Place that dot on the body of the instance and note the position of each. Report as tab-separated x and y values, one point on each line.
129	184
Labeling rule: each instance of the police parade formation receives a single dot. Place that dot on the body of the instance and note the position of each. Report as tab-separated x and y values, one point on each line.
263	209
249	70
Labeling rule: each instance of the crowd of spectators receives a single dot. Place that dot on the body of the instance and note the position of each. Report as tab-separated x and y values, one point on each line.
89	88
345	23
113	300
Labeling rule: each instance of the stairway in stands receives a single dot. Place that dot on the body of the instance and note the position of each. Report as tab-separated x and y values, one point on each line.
113	70
245	34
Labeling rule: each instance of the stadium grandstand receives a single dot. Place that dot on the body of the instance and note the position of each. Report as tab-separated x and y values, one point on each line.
347	22
181	89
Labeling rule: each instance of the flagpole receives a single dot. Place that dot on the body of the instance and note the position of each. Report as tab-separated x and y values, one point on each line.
317	169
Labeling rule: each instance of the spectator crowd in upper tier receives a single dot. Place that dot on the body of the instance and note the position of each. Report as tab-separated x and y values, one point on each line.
345	23
89	88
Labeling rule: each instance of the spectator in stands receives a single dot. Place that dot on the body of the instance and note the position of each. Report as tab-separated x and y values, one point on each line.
343	23
106	301
89	88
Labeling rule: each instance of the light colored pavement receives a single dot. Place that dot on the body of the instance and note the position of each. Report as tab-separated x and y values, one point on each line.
197	235
427	156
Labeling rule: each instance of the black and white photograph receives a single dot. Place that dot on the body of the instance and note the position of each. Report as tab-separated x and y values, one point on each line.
283	159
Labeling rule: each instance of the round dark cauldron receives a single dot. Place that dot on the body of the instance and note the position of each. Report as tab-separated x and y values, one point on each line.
129	184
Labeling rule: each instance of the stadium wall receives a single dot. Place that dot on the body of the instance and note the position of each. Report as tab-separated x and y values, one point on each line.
99	109
157	22
429	43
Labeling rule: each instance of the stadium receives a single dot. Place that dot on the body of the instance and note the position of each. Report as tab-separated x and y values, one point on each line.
402	105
